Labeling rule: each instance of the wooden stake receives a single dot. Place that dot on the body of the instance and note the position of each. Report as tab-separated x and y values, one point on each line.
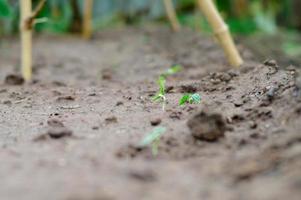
221	31
87	19
240	8
172	16
26	40
27	22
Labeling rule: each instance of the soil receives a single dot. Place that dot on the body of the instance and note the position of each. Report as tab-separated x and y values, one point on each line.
73	132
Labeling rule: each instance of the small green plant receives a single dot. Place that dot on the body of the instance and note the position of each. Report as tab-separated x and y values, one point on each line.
153	139
160	96
190	98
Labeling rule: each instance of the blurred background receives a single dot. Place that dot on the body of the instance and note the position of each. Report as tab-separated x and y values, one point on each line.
268	27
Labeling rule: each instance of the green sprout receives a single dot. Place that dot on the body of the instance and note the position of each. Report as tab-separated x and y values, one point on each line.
160	96
153	139
190	98
172	70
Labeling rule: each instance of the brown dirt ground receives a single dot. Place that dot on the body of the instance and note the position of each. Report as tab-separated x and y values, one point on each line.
72	133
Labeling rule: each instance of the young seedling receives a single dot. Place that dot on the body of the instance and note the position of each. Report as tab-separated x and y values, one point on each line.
190	98
160	96
153	139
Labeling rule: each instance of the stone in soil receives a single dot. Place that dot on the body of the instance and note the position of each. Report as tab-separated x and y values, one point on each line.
207	126
59	132
107	74
142	175
155	121
66	98
111	120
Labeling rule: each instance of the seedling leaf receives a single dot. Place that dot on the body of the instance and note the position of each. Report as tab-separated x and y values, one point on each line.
156	98
173	70
162	82
195	98
152	137
184	99
190	98
160	96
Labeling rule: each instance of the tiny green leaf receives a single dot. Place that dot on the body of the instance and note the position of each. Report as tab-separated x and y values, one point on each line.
195	98
190	98
160	96
153	136
184	99
173	70
161	83
157	97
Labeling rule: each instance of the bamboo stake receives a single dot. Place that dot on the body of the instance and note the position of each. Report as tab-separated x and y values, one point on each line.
172	16
26	40
27	22
196	16
221	31
240	8
87	19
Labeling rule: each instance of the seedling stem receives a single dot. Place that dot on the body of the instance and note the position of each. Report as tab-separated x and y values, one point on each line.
153	139
160	96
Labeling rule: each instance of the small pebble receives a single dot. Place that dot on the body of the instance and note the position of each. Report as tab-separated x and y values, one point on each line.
66	98
7	102
119	103
59	132
111	120
271	63
155	121
271	92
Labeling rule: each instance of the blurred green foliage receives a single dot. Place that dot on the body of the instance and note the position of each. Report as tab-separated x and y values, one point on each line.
243	16
4	8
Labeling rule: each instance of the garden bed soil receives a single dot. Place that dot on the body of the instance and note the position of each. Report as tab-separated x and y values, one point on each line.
73	132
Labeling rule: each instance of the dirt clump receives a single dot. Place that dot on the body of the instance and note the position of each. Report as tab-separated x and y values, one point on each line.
142	175
155	121
14	79
111	120
59	132
66	98
207	127
107	74
56	130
